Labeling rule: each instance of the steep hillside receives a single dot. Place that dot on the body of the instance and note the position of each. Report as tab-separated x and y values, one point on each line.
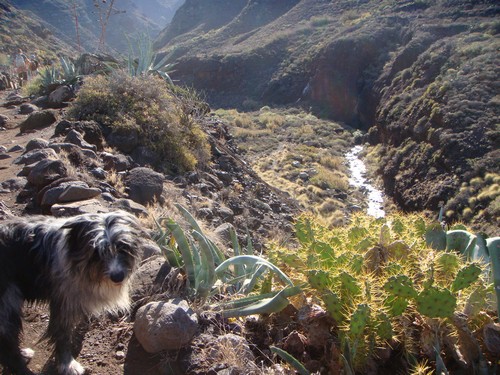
20	29
418	74
126	17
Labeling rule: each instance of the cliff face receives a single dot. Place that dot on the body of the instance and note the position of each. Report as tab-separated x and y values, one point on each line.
418	75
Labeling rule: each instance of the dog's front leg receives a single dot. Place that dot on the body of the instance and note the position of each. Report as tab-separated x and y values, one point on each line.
60	332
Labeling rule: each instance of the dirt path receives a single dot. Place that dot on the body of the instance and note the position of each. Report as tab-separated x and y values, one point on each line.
108	346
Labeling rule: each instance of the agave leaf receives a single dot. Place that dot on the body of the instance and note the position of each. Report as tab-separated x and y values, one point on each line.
263	305
252	260
239	270
493	245
165	76
206	277
462	241
189	218
184	249
249	284
218	255
290	359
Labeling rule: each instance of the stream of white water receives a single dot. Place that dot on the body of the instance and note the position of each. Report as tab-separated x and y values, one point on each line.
375	198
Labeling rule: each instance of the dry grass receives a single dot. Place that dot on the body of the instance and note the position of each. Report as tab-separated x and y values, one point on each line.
115	179
280	144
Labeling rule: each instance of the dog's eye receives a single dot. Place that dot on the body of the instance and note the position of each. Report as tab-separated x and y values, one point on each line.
123	247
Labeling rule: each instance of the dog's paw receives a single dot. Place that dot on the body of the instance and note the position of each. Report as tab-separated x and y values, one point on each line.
27	354
72	368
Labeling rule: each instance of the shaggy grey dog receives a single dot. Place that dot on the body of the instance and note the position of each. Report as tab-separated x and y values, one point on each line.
80	266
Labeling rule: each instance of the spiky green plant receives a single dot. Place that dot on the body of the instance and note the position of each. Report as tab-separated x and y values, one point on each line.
208	271
374	273
142	60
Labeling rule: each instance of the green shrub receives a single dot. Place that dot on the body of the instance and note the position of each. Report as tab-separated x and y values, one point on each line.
167	118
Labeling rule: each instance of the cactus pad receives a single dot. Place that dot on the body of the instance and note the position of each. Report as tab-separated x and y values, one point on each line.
396	305
435	236
319	279
333	305
385	235
398	249
291	260
384	327
359	319
465	277
357	263
349	284
447	262
400	286
436	303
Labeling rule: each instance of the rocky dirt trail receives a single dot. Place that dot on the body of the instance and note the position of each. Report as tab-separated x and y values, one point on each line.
108	347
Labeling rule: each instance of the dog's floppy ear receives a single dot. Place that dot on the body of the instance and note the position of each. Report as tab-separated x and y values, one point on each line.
79	230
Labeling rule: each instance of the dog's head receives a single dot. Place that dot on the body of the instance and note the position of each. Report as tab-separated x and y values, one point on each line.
104	247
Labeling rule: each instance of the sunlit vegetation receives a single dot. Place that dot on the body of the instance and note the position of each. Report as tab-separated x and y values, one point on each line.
165	118
296	152
386	289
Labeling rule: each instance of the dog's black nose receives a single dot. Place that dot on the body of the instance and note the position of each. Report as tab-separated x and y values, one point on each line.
117	276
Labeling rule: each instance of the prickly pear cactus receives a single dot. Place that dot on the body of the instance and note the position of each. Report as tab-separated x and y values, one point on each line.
319	279
435	236
436	303
303	231
398	249
447	262
396	305
465	277
359	320
384	327
349	284
385	235
400	286
334	306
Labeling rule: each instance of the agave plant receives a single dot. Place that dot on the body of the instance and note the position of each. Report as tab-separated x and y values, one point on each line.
146	62
70	74
208	271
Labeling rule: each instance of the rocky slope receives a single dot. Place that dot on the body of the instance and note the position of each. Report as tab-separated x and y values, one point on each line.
21	29
418	75
125	19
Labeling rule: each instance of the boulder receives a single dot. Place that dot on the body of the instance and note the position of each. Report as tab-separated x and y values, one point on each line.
150	278
13	184
38	120
92	132
76	138
60	96
27	108
36	155
130	206
124	140
4	120
145	186
90	206
46	171
117	162
163	326
36	144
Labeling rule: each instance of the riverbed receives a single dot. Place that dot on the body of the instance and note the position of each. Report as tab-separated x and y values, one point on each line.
357	169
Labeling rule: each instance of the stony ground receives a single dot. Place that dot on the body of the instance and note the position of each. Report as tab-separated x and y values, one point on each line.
108	345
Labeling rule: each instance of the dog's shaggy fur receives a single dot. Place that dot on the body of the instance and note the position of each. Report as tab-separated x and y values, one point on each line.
81	266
